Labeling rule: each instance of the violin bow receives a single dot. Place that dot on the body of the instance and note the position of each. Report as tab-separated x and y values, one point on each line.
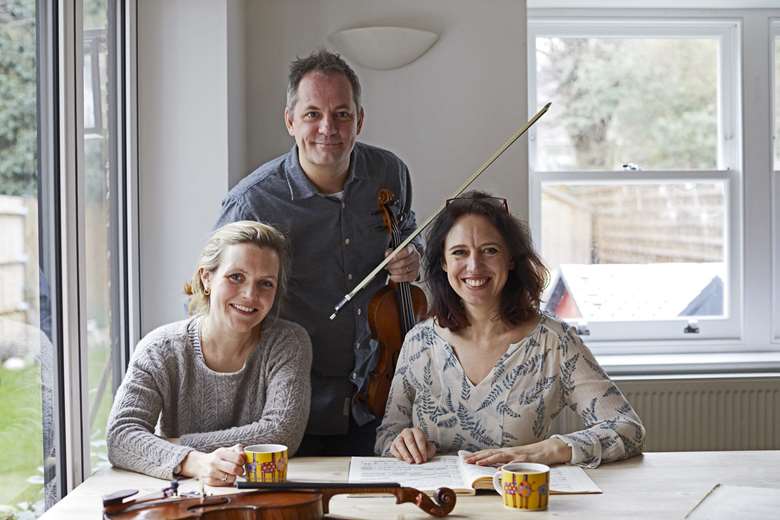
370	276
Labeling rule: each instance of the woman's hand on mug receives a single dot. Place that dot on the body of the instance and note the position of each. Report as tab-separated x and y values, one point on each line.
412	446
549	451
218	468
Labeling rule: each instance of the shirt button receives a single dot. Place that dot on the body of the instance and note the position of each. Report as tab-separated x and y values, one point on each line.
359	312
349	276
346	241
353	375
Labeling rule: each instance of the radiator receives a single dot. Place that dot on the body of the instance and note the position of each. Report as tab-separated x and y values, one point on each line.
701	414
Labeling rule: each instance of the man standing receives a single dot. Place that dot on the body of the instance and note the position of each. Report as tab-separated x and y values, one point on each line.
323	195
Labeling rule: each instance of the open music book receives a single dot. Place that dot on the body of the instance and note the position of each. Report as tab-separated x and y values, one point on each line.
452	471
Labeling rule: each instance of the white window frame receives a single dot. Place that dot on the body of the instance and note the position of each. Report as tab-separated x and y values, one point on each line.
70	118
660	336
774	36
74	339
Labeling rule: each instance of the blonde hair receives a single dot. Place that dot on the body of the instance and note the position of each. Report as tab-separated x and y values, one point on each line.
241	232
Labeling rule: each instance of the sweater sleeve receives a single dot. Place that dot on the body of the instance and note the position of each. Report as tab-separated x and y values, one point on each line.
398	411
612	430
131	441
288	396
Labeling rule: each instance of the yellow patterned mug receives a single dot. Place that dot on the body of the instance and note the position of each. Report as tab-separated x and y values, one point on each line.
523	485
265	463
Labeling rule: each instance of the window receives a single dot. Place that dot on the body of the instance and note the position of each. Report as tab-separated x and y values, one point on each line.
101	231
776	91
29	410
635	176
775	43
64	297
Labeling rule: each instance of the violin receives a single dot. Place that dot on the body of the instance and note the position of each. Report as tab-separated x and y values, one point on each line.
281	501
392	312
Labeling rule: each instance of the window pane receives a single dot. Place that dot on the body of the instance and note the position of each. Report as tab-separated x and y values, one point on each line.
777	102
100	235
27	357
635	252
648	104
776	186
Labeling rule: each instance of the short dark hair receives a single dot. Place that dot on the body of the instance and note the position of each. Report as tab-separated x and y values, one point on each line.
320	61
520	297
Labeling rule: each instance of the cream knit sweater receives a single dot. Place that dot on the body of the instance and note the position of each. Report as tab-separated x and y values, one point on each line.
169	391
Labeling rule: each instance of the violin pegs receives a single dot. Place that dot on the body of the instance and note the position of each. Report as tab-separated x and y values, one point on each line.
172	489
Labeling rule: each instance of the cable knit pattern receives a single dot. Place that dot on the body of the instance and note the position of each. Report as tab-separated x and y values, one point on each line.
516	403
169	389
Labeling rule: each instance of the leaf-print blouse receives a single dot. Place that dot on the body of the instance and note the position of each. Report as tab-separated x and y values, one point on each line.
515	403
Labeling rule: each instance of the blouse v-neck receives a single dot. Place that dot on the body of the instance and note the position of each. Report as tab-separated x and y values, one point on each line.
510	350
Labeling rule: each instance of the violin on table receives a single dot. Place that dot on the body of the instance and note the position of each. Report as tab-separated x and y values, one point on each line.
280	501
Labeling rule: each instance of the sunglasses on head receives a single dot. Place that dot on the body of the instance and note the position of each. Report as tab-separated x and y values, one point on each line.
498	202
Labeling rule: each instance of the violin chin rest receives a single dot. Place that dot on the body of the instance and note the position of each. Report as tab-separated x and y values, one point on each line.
117	497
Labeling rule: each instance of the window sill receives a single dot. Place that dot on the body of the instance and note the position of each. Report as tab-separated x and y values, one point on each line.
743	364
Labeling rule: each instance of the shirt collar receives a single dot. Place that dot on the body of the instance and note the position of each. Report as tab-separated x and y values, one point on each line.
300	185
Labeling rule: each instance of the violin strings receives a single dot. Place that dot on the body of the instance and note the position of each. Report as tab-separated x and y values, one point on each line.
405	294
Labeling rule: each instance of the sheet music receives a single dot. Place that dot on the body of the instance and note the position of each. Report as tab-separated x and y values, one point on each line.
473	472
452	472
437	472
564	479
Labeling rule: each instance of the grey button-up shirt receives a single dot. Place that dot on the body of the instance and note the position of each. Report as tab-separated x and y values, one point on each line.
334	243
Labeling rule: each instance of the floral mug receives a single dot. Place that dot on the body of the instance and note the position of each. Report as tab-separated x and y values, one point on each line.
523	485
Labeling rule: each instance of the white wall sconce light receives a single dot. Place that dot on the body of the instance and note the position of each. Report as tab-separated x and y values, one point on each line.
383	48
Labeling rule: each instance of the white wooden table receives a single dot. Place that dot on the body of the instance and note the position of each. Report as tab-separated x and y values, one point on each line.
655	485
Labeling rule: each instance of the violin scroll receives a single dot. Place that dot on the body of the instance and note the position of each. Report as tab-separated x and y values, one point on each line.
441	505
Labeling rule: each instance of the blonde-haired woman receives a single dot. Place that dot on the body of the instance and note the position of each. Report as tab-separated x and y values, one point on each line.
233	373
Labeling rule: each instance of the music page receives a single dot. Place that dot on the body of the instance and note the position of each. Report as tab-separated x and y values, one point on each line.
438	472
451	471
564	479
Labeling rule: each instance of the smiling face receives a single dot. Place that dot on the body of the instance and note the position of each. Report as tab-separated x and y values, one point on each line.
324	122
243	287
477	262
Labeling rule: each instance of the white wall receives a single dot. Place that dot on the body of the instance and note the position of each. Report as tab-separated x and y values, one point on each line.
444	114
236	85
211	99
184	155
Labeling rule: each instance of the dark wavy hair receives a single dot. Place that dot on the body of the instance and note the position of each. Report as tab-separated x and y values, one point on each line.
520	297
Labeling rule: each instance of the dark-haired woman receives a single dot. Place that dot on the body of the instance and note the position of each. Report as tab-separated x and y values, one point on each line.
488	372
